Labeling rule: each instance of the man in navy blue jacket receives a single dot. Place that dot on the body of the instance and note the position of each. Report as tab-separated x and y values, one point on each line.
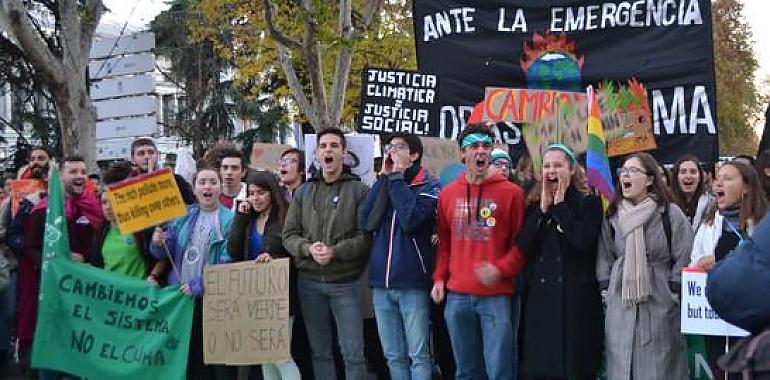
401	211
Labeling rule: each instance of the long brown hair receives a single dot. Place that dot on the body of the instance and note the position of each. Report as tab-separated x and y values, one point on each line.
680	198
753	205
267	181
658	188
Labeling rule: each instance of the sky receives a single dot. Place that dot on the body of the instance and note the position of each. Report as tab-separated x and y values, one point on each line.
141	12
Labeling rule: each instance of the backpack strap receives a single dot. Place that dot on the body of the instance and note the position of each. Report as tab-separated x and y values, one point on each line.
666	225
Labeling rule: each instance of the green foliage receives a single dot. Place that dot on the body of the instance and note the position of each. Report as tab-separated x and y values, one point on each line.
32	106
212	102
389	43
738	102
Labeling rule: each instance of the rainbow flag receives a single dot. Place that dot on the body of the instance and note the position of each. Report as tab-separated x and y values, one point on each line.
597	163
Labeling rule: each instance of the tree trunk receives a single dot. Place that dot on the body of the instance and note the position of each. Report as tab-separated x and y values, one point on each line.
65	70
77	120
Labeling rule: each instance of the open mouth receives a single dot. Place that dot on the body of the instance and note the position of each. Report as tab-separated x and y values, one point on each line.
328	159
207	194
284	172
719	194
688	182
626	185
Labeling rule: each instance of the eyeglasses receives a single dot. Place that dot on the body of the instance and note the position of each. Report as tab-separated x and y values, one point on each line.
502	164
630	171
396	146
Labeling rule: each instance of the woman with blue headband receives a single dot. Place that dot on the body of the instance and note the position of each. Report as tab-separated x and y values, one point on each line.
562	306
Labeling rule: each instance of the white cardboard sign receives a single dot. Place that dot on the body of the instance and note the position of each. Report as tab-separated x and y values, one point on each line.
112	67
132	43
127	127
124	86
697	315
360	155
121	107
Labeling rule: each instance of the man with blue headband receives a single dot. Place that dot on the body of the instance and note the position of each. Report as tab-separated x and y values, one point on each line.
479	218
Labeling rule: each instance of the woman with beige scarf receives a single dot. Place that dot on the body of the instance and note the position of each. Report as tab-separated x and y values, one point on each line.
639	272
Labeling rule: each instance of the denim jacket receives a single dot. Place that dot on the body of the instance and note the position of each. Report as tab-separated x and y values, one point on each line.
178	236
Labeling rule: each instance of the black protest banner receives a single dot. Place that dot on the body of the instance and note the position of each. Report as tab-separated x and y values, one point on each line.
397	101
567	45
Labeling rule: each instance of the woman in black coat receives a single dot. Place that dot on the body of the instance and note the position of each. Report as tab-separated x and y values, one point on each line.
563	330
256	235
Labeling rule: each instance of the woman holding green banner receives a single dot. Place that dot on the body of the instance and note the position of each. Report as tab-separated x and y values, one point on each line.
192	242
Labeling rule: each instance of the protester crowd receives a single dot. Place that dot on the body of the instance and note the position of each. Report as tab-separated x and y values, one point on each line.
526	273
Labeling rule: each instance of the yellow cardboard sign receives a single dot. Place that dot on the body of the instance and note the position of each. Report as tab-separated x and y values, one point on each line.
146	201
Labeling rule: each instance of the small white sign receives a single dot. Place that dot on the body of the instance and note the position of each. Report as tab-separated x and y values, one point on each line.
697	315
112	67
127	127
122	107
113	149
132	43
360	156
124	86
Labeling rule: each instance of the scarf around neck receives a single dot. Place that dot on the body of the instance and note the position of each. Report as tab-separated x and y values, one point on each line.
84	204
636	274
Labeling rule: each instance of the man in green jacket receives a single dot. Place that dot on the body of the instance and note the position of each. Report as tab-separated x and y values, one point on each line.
323	234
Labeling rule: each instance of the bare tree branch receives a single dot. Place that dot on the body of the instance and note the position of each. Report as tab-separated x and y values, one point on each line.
94	11
168	77
296	86
51	42
277	35
344	60
314	64
349	35
372	7
31	41
70	33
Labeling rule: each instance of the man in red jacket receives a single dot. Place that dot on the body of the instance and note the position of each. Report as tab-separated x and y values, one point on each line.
479	217
83	212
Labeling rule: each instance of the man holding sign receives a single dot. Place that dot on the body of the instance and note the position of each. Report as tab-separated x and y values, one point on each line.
83	215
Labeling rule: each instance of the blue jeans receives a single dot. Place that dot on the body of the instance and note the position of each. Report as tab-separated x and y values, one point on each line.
403	322
516	322
319	302
480	324
7	314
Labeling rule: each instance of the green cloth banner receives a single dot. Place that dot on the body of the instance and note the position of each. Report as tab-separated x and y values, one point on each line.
697	359
102	325
56	242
